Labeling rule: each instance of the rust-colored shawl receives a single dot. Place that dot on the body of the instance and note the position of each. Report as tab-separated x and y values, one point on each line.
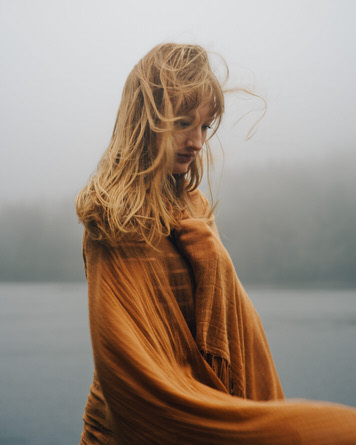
155	383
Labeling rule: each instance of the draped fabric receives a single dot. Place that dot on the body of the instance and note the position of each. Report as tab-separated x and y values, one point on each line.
180	354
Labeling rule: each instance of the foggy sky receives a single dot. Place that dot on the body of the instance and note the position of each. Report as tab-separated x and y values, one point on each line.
64	63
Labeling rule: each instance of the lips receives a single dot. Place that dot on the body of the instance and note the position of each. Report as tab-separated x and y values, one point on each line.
185	157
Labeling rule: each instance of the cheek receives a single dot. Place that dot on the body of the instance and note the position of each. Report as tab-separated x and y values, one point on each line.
179	139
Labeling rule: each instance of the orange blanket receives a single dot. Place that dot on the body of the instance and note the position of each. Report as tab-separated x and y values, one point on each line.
152	384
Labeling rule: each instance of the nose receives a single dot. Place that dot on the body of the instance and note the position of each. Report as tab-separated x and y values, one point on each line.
195	138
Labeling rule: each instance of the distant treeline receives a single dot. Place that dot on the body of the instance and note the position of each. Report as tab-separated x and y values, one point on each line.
40	242
292	224
288	224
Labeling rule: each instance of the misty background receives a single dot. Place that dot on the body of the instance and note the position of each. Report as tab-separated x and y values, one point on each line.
286	197
287	207
283	223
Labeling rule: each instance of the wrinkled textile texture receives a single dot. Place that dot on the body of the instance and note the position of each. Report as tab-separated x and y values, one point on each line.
180	354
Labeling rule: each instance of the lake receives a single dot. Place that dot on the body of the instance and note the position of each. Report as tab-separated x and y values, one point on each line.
46	365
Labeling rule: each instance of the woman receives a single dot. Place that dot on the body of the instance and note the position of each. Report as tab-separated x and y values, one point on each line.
180	353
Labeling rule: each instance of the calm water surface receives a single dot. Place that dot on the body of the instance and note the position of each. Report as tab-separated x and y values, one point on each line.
46	365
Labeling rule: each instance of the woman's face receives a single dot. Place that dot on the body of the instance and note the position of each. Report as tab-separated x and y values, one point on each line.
188	143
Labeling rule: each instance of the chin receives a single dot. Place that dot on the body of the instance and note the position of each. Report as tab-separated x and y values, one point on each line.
181	170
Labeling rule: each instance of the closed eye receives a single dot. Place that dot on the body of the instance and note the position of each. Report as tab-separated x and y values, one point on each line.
184	124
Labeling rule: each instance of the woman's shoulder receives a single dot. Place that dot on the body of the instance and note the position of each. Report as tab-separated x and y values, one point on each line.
200	203
202	209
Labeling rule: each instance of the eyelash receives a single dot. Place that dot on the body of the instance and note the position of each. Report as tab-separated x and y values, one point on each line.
184	124
187	124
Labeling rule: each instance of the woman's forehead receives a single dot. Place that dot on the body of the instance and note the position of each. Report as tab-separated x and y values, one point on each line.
205	106
205	110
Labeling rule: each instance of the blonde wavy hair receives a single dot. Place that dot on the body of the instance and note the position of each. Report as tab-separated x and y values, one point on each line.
133	191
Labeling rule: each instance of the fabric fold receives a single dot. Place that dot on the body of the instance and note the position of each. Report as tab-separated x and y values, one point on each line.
227	325
157	384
